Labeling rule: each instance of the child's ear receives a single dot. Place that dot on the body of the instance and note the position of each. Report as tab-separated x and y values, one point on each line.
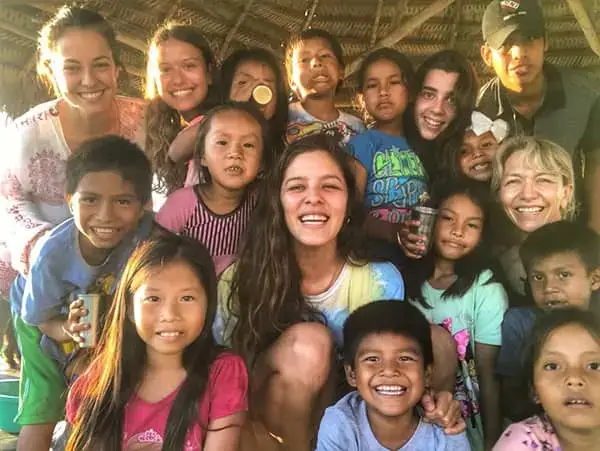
350	375
595	279
486	55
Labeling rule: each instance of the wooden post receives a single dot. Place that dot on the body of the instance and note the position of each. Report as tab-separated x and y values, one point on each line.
376	22
234	29
587	25
401	31
310	14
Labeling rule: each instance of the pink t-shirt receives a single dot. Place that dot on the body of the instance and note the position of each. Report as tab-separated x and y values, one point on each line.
144	425
535	433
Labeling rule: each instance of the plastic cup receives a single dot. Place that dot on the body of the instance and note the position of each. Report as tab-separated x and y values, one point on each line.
426	216
91	302
262	94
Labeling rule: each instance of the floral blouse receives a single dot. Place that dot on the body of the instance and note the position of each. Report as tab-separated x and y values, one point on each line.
534	433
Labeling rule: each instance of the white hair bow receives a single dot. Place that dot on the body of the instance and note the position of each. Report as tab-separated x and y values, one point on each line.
481	124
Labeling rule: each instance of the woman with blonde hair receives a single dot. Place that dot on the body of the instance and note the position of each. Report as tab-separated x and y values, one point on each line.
534	183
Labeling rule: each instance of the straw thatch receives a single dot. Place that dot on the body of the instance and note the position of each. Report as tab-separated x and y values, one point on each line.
416	27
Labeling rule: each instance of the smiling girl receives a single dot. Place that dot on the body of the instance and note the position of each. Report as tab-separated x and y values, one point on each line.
180	87
454	287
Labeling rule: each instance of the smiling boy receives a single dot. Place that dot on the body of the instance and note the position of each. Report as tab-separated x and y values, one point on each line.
108	184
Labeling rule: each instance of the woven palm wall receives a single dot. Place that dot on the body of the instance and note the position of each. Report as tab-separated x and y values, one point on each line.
423	26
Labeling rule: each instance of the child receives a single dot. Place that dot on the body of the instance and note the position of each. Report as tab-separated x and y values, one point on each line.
230	152
479	146
314	64
562	365
242	72
453	286
180	87
158	378
389	174
562	262
388	357
108	183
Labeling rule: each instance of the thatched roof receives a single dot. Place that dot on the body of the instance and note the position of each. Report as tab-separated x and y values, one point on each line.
416	27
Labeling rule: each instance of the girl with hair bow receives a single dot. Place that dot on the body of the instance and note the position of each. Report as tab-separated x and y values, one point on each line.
479	146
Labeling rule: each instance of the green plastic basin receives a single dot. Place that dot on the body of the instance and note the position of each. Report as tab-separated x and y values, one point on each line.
9	403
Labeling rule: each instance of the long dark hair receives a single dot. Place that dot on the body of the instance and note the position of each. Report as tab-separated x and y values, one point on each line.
265	293
278	123
468	268
120	359
434	154
163	123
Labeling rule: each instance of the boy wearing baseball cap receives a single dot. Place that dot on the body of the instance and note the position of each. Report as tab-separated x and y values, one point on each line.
536	98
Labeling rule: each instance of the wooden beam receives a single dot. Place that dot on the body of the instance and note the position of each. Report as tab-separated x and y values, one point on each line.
376	22
5	25
400	10
310	14
234	29
401	31
587	25
172	11
455	23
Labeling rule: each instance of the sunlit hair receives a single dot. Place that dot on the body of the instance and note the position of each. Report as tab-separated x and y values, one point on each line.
267	158
120	359
308	35
548	323
278	123
469	267
541	155
465	94
384	54
67	18
163	123
266	296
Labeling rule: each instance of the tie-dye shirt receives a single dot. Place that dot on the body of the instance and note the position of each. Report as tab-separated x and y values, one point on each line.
354	287
535	433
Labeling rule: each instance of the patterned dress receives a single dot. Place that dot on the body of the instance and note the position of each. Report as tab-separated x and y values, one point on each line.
33	178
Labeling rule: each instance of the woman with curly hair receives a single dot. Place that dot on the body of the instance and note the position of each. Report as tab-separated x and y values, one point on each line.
300	274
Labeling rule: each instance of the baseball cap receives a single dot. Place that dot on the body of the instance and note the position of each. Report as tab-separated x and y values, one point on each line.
504	17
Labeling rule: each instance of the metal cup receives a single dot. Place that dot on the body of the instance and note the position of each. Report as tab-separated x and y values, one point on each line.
426	216
262	94
91	302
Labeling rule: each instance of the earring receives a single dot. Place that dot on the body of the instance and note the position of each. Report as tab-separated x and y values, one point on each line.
348	219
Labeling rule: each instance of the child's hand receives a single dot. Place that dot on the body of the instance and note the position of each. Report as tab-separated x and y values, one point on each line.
414	246
182	147
442	409
73	327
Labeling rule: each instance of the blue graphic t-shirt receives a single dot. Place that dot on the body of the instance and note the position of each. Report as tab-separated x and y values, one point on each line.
396	177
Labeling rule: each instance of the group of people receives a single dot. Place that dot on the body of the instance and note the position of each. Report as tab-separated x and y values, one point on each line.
251	253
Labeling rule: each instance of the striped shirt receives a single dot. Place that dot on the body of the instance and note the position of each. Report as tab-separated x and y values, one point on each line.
186	214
